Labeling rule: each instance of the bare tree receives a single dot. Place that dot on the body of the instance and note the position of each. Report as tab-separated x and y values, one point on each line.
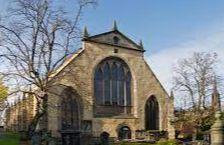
36	37
195	78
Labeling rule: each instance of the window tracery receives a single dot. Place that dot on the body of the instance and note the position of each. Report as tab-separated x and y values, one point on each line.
112	82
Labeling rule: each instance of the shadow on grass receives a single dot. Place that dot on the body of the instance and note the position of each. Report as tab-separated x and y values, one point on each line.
9	139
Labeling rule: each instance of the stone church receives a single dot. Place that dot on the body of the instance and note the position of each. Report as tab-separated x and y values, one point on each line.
107	90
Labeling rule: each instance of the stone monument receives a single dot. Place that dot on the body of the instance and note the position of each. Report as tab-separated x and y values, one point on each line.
217	130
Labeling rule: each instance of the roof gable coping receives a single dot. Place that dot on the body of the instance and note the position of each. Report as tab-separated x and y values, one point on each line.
94	38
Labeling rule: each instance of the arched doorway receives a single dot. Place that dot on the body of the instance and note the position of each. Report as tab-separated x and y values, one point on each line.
104	138
124	133
152	114
70	119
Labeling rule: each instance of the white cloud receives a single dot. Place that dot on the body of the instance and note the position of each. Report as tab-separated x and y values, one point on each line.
162	62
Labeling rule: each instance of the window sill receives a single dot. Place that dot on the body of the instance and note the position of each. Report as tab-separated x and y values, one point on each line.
117	117
113	105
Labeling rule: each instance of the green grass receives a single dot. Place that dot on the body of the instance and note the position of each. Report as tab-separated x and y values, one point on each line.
170	142
132	144
9	139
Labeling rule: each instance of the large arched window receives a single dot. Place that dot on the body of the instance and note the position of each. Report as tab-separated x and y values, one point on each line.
112	83
152	114
69	113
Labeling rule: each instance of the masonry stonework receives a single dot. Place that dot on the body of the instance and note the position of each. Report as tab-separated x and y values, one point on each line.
73	111
78	74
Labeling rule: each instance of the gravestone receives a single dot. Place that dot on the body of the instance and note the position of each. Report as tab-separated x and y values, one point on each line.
36	139
1	130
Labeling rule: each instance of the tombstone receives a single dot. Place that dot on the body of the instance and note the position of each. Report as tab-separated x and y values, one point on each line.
217	130
1	130
36	139
140	134
46	137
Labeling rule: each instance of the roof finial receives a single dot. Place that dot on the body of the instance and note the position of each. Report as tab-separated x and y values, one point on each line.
114	28
141	44
85	33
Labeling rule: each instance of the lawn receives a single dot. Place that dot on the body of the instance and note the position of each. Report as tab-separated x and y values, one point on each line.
170	142
9	139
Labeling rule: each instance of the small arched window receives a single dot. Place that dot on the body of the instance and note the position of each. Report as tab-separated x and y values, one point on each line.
112	83
116	40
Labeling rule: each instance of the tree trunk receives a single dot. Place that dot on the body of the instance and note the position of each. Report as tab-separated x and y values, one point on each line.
34	122
41	111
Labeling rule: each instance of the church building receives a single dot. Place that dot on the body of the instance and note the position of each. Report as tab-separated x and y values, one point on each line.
107	90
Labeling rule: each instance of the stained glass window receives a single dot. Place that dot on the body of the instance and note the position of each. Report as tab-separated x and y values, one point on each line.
112	83
152	114
69	112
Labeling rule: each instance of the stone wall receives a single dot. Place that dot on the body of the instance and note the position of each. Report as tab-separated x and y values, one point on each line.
20	114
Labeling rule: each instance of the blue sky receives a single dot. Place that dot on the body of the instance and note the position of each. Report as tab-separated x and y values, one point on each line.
159	23
170	29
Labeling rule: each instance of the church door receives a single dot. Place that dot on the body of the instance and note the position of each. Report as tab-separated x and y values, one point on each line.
152	114
124	133
104	138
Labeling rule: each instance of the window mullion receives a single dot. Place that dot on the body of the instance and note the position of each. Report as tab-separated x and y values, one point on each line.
125	96
71	109
111	91
103	91
118	96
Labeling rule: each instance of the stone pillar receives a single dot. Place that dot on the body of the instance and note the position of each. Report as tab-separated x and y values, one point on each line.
217	130
171	129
